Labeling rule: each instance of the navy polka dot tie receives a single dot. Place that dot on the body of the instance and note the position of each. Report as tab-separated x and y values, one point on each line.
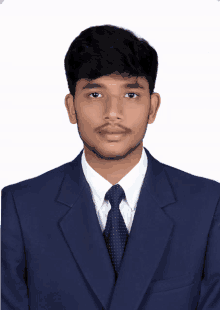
115	233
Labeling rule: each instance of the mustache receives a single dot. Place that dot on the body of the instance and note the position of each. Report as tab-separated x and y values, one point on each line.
108	128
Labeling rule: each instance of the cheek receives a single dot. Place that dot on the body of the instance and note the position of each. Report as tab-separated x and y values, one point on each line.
91	112
89	119
137	117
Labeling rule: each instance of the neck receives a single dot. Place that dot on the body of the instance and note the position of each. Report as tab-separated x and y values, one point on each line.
114	170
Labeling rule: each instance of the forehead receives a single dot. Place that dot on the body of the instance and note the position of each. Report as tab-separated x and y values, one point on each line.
123	81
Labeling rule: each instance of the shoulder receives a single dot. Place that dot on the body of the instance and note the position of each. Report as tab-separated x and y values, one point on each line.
185	184
50	179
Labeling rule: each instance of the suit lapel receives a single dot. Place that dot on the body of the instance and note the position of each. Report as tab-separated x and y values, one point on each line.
83	234
148	238
150	232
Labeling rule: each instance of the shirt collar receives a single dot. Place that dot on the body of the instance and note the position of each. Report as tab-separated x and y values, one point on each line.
131	182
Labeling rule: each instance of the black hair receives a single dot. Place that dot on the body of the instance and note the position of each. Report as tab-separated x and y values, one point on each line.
107	49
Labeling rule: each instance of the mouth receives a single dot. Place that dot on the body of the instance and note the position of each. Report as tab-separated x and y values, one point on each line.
112	132
112	136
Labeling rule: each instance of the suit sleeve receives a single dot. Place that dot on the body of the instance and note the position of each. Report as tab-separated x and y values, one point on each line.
210	285
14	289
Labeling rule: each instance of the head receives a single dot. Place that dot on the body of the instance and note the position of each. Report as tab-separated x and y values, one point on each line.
111	76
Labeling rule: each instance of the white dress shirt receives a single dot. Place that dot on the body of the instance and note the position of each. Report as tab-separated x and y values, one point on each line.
131	184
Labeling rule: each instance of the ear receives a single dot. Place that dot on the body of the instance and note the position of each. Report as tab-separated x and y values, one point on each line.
154	107
70	106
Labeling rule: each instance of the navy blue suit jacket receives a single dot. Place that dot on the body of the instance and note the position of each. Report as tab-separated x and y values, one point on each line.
54	255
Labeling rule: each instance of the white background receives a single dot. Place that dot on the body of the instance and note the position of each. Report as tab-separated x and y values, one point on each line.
36	135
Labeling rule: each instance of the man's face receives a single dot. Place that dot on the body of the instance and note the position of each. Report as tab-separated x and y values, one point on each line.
112	113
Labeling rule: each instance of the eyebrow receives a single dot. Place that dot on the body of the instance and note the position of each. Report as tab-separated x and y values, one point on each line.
130	85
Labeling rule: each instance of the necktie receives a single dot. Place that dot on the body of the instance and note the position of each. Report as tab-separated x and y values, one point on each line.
115	233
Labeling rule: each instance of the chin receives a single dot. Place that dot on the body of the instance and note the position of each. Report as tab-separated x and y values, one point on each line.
112	151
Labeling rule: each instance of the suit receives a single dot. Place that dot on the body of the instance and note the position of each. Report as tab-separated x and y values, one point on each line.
54	255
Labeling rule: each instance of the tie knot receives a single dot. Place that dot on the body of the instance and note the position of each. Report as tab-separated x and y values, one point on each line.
115	195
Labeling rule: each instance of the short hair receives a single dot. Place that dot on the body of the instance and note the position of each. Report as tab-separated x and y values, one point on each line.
102	50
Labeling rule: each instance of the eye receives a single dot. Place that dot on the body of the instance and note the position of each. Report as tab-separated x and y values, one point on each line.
93	94
132	94
100	94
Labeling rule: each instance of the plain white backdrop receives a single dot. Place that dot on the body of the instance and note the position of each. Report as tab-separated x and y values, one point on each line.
36	135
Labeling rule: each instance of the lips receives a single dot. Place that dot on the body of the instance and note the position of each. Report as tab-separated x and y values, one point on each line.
112	131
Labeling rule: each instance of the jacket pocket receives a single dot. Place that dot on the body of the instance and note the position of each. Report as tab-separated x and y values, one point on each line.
171	284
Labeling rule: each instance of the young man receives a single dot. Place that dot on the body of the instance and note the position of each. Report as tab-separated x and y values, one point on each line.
115	228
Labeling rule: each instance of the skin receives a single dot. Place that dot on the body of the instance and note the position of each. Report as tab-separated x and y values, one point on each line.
112	106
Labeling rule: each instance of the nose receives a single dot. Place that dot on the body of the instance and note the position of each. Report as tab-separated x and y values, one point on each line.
113	109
